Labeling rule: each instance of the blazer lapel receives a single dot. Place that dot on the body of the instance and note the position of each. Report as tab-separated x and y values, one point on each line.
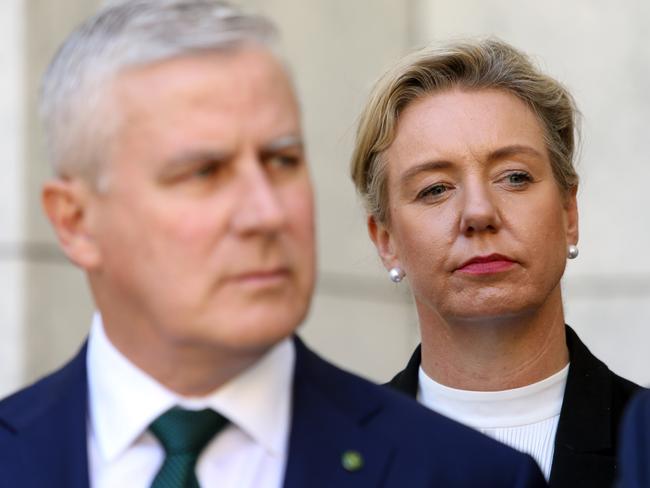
49	424
406	380
327	430
584	443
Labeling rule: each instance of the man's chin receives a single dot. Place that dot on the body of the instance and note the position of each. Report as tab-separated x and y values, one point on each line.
257	335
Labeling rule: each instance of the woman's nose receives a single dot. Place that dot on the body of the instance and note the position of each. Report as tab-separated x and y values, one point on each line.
479	212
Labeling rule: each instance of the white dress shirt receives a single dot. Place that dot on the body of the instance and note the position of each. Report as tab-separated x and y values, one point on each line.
523	418
250	452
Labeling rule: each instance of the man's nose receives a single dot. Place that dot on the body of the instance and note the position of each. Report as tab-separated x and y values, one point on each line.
259	207
479	212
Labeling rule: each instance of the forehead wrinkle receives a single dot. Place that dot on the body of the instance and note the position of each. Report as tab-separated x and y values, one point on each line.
514	150
488	156
260	73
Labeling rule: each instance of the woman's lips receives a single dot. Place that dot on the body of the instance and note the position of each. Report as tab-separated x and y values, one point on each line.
494	263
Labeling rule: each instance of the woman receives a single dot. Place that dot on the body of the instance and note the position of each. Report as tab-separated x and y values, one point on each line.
464	159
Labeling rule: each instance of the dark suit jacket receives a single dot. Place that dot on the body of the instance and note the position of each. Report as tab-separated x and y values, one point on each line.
43	436
634	454
594	398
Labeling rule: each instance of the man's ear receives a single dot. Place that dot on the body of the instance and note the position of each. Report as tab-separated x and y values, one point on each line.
66	203
381	236
571	208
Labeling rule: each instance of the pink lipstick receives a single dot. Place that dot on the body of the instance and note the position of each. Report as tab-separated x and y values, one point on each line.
480	265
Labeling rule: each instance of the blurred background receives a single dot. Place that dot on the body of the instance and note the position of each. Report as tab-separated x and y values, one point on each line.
337	48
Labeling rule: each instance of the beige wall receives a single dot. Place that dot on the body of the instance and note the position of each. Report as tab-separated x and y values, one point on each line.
45	306
58	307
11	205
337	48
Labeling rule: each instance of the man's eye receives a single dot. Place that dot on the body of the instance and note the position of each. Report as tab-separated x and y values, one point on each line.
207	170
433	191
283	161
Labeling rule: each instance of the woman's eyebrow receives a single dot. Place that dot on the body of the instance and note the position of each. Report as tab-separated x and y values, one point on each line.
426	167
513	150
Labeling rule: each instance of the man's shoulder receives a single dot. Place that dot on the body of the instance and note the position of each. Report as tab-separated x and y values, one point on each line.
638	413
399	416
44	426
635	431
634	447
32	402
425	443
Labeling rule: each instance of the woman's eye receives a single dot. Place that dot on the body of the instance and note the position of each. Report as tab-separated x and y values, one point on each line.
518	179
433	191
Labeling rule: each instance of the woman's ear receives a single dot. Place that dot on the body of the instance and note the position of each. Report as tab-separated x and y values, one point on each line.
66	203
571	209
382	238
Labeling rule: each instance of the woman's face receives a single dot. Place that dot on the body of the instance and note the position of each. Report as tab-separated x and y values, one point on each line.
476	218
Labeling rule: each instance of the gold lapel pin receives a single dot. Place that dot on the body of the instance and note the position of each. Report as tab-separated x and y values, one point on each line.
352	461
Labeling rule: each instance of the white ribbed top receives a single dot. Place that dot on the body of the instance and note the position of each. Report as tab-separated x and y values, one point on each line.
524	418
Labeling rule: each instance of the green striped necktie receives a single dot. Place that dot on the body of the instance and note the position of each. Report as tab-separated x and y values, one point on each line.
183	434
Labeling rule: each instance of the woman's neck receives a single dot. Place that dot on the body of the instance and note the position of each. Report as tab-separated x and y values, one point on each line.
495	354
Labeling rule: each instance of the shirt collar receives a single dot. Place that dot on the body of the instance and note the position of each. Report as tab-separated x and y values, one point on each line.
124	400
496	409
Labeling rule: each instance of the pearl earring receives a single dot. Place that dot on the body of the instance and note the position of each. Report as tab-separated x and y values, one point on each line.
396	274
572	251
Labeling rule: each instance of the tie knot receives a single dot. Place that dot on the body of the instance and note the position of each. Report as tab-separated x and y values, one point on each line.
187	431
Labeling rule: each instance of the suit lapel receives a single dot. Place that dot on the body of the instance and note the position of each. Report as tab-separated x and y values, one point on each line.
406	380
50	429
327	426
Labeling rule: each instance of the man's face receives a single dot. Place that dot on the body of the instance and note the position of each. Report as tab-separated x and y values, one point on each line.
205	231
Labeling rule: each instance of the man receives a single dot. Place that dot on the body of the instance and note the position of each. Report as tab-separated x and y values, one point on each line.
183	193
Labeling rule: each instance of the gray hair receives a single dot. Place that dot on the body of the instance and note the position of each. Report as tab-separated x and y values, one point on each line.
123	35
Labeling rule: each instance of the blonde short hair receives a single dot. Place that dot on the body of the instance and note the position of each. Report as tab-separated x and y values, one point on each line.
472	65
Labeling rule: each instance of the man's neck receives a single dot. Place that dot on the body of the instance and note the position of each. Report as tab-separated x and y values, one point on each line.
190	370
496	354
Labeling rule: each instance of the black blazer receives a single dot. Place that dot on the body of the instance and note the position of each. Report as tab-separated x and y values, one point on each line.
594	399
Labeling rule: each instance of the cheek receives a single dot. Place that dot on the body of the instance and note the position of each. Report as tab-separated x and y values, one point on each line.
298	204
187	229
423	238
545	222
189	226
540	228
